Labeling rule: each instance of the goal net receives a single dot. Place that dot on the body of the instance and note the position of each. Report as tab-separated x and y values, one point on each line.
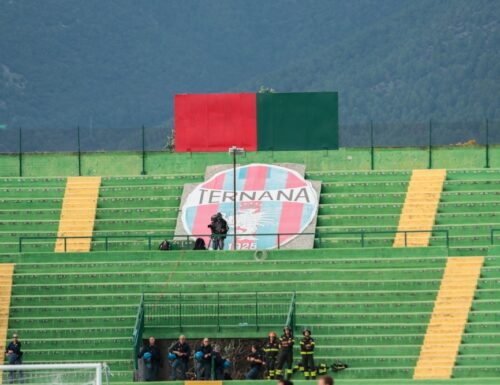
57	374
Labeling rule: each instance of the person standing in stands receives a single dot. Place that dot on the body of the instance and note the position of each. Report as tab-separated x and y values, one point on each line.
218	363
271	350
219	228
307	353
152	359
286	353
204	364
182	351
15	357
256	359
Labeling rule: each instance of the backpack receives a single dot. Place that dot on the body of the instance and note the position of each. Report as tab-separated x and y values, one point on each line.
221	226
165	245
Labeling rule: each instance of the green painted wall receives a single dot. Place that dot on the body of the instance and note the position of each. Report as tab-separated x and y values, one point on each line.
284	121
158	163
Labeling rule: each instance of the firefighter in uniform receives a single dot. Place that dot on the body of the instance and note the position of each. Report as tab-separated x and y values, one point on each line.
286	353
307	352
271	350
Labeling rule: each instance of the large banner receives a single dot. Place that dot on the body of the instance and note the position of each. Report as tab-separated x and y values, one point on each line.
269	121
275	206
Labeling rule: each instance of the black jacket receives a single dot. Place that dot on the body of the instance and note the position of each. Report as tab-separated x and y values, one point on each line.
271	348
182	348
258	355
156	357
286	342
16	348
307	345
205	350
218	360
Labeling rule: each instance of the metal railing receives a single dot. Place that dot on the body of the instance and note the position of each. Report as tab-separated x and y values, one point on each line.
138	331
492	235
241	311
178	239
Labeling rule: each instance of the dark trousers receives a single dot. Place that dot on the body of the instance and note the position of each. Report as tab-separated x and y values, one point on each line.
218	243
179	367
203	370
285	357
308	364
271	366
254	373
14	359
150	372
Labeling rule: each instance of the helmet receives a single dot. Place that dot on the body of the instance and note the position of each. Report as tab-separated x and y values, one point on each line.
198	356
287	328
171	356
273	334
306	330
147	356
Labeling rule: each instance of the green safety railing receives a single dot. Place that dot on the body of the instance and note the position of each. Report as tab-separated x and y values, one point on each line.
138	331
181	241
217	311
492	235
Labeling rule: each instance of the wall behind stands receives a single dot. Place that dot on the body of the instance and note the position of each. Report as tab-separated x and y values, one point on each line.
161	163
267	121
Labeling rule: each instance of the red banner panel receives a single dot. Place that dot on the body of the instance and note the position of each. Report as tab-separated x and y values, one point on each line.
215	122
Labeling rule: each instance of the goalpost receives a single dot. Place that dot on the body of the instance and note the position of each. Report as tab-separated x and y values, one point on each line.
74	374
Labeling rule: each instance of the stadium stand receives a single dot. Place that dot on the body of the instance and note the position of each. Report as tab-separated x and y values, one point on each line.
368	306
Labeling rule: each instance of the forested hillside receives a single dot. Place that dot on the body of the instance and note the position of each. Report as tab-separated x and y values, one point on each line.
118	63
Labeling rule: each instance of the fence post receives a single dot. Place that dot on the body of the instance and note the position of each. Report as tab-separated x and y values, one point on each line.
487	144
278	241
180	312
149	242
492	239
406	239
79	151
430	144
447	239
143	154
106	243
372	149
20	151
65	239
21	243
362	239
256	312
218	311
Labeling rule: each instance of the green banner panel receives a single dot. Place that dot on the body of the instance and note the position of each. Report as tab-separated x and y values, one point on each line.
297	121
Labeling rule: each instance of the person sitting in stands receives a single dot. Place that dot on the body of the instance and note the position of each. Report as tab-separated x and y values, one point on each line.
15	357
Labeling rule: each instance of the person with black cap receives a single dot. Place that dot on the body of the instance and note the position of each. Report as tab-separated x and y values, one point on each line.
307	345
271	350
286	353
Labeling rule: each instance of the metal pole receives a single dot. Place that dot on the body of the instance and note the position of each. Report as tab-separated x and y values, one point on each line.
79	151
372	150
20	151
234	199
218	311
487	145
430	144
256	312
143	154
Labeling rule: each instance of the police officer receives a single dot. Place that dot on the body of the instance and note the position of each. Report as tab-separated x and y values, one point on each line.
152	358
286	353
204	365
271	350
182	351
307	352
